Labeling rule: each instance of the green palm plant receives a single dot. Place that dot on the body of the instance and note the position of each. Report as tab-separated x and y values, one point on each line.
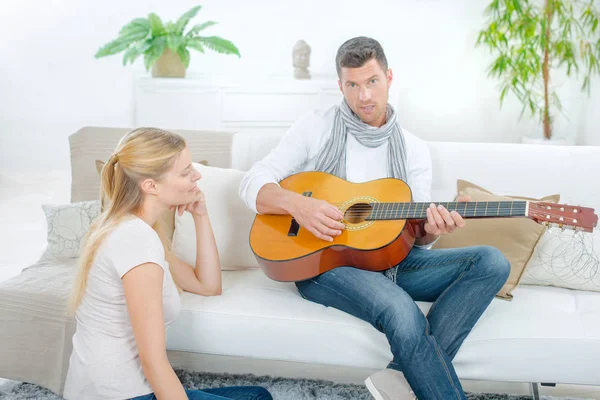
533	39
151	38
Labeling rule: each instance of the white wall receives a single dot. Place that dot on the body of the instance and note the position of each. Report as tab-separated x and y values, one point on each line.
51	85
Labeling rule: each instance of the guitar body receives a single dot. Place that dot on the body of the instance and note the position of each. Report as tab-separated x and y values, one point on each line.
288	253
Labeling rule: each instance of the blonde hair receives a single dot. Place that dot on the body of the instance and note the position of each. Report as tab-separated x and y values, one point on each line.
144	153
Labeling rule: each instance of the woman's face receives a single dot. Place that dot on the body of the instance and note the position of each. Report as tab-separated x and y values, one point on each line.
178	186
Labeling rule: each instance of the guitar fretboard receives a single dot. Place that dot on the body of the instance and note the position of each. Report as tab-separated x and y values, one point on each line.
471	209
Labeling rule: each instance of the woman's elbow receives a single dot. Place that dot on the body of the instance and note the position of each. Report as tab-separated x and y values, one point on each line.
206	290
215	291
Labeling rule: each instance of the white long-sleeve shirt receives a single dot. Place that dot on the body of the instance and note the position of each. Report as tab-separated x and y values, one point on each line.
298	149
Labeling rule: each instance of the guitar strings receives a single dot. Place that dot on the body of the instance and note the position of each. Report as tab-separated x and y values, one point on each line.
541	215
537	214
361	210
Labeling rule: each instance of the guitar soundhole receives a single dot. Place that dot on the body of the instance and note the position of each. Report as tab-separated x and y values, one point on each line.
358	212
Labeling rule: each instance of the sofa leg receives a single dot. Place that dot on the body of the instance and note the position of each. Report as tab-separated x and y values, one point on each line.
536	392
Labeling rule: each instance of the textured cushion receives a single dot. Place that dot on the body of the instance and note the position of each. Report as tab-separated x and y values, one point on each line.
565	259
259	318
515	237
231	220
67	227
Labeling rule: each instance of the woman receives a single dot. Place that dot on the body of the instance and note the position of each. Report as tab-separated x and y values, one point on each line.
125	294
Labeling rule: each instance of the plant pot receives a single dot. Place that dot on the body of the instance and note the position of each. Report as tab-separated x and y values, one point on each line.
169	65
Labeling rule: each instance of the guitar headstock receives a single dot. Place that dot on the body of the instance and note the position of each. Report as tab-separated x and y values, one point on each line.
563	216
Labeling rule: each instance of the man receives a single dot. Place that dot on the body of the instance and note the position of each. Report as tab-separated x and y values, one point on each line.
362	140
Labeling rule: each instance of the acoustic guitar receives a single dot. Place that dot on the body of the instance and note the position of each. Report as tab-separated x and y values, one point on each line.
377	234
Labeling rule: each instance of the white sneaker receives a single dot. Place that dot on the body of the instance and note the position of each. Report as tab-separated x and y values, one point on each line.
389	384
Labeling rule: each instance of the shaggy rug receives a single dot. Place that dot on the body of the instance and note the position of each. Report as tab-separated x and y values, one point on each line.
280	388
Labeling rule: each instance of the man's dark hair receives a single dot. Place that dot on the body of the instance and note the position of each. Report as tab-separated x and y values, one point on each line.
356	52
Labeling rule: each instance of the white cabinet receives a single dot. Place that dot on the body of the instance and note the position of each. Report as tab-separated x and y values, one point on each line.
220	103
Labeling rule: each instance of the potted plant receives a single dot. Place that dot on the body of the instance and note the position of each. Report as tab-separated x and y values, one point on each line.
532	40
165	46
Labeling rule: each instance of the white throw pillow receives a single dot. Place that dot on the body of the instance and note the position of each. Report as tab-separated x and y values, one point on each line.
565	259
67	227
231	220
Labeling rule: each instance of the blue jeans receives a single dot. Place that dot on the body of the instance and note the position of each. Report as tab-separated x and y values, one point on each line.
461	283
234	392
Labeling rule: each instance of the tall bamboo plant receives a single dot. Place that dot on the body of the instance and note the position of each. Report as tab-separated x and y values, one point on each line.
534	39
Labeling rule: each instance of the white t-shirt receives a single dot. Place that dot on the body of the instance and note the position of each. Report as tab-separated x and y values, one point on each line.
105	362
298	149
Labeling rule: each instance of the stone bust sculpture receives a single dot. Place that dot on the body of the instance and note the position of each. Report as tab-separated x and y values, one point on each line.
301	60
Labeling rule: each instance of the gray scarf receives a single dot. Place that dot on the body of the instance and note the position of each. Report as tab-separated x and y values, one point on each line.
332	157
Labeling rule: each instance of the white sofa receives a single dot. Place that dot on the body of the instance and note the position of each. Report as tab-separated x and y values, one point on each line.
260	326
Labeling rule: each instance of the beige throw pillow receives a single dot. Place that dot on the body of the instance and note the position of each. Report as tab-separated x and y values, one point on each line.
515	237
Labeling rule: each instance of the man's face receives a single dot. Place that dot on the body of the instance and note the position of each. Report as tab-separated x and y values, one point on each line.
366	89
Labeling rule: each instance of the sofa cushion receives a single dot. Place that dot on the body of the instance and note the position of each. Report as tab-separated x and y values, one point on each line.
259	318
67	227
565	259
515	237
231	220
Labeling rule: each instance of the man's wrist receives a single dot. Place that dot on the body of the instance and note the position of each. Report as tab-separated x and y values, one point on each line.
290	202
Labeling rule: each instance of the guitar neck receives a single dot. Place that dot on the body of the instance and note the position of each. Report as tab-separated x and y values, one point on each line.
471	209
